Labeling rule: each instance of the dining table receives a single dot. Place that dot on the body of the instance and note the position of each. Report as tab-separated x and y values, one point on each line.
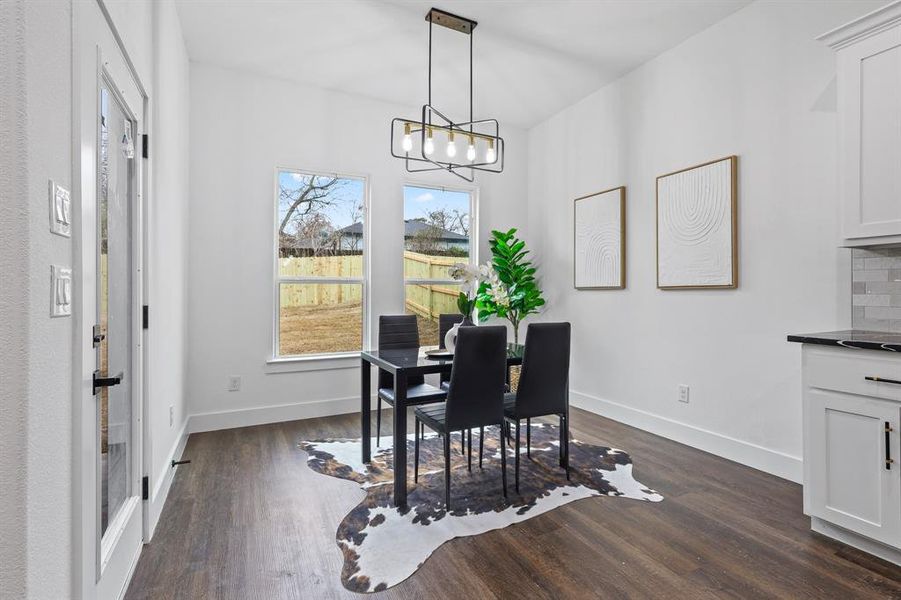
402	364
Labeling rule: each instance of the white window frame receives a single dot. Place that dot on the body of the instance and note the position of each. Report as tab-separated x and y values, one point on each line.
328	360
473	192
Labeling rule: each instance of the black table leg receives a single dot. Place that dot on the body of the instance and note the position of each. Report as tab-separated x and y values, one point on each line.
400	438
365	408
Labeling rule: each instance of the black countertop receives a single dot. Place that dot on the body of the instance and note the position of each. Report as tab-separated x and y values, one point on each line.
852	338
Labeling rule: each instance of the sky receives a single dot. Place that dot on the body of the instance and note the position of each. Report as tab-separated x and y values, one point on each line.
419	200
347	194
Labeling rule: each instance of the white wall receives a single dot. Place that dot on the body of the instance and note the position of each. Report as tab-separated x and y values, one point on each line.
168	253
35	350
37	549
242	127
756	85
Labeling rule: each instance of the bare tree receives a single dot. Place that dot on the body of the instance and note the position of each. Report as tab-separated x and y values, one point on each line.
459	222
355	214
449	219
315	231
426	241
315	194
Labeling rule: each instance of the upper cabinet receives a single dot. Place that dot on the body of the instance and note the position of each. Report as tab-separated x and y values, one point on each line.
869	109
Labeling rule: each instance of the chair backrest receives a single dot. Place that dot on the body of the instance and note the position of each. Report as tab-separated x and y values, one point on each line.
544	378
476	394
445	322
398	332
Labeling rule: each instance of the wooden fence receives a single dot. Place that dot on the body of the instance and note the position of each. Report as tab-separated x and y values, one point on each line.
427	300
423	299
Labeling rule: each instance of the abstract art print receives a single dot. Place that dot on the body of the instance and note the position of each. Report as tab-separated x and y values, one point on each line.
697	227
599	248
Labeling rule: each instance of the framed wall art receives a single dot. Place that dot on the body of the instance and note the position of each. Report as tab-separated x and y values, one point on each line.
599	241
697	241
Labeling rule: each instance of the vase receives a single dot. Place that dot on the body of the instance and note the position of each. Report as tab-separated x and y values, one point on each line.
450	338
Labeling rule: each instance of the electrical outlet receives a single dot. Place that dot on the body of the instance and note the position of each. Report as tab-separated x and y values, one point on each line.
683	393
171	415
234	383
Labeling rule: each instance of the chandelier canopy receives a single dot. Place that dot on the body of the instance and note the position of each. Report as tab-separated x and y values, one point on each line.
431	140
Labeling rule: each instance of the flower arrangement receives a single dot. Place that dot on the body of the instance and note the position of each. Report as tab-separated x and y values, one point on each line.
509	290
470	278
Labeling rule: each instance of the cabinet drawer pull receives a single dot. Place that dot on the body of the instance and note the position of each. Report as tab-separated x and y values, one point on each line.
888	447
882	379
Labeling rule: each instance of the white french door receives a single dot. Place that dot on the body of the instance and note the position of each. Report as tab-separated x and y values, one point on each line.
110	105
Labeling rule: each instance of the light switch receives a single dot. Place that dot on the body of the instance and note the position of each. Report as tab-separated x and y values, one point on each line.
60	291
60	210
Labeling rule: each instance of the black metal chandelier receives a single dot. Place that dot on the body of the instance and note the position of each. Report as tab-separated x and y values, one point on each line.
417	140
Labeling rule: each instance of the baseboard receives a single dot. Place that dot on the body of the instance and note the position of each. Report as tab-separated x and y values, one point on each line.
230	419
761	458
869	546
164	480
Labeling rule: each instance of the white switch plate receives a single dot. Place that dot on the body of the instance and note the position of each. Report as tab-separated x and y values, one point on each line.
234	383
171	415
60	210
683	393
60	291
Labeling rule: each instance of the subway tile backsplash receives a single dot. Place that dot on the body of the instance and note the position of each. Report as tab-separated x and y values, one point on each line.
876	289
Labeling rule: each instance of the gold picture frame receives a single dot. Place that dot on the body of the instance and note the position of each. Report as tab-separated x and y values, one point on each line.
733	208
622	240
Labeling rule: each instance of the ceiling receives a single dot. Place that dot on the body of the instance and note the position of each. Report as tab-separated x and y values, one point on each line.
532	57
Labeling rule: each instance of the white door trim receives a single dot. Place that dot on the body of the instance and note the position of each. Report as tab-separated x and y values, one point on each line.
98	50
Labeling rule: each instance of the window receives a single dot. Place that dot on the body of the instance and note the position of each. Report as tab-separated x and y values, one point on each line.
320	272
439	226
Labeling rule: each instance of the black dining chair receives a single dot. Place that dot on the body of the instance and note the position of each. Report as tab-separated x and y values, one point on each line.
475	397
543	388
401	332
445	322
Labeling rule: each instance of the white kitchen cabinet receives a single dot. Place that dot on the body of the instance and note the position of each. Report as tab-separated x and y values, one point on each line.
852	446
868	73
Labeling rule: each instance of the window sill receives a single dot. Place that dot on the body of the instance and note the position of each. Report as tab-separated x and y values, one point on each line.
325	362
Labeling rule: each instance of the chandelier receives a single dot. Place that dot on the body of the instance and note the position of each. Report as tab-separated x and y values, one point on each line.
430	142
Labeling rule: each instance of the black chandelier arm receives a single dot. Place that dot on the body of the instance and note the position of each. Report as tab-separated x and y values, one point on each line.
425	127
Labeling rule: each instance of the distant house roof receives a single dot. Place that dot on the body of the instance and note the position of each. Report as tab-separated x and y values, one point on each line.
411	228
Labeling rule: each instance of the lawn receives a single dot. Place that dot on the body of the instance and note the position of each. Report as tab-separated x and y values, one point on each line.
324	328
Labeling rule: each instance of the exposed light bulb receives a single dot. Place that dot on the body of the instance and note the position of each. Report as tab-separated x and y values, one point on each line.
428	146
408	141
471	151
490	155
451	146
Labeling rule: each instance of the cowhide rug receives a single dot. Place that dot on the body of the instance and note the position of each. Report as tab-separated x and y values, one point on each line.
383	545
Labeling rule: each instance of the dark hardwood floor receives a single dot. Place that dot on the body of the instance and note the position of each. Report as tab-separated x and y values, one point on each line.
248	520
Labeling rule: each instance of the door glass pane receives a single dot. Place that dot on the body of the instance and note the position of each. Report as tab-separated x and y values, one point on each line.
115	195
427	301
319	318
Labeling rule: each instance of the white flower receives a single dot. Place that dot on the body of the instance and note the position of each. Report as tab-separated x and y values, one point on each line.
469	277
497	290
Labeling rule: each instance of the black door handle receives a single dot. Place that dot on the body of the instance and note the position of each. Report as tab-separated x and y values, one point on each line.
102	382
882	380
888	448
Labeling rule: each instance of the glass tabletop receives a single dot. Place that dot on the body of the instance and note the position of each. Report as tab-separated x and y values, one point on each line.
416	359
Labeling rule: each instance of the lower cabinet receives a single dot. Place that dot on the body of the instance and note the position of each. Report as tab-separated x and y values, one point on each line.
852	442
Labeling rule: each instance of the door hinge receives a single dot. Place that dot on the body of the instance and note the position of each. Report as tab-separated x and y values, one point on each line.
145	145
145	316
145	488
